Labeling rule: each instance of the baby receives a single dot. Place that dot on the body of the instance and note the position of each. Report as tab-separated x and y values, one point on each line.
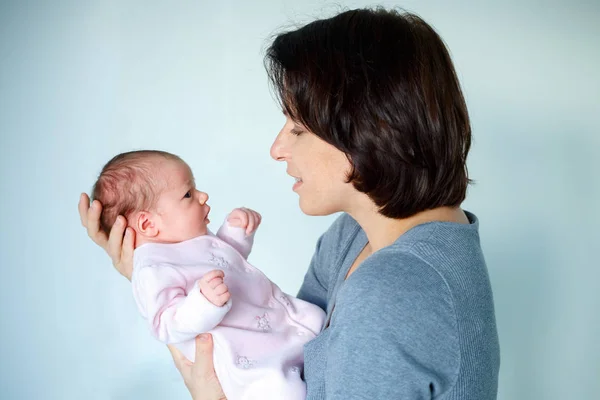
187	280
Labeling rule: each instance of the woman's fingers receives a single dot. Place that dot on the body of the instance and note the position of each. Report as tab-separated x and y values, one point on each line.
199	376
119	248
125	266
128	243
179	359
115	240
84	206
203	364
93	225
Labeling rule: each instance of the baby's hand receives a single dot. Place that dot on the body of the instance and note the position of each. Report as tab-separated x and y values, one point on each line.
213	288
244	218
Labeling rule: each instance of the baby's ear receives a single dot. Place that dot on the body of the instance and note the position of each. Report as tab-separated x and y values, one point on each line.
146	224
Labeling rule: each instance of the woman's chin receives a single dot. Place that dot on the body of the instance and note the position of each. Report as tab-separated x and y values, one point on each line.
315	209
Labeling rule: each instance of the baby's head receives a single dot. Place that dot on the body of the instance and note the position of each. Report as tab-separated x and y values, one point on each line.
156	192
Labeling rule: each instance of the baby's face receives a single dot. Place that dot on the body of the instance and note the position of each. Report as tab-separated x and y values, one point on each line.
182	212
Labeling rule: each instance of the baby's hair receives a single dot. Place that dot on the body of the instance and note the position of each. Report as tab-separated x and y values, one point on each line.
128	184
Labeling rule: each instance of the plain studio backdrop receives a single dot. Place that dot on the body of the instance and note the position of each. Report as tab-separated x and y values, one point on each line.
81	81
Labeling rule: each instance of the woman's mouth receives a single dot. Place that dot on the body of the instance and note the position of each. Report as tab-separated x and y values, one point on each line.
297	184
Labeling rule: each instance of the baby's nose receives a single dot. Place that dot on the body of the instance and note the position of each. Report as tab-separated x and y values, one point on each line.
202	197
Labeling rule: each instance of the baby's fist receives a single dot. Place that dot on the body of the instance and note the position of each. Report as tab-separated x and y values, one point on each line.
245	218
213	287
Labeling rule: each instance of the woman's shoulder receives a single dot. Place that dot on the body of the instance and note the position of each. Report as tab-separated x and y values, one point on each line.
437	249
435	258
397	273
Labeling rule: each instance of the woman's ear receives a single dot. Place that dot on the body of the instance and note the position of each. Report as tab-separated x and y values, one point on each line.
146	224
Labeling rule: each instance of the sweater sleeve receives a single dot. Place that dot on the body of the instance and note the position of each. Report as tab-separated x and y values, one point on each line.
173	314
393	334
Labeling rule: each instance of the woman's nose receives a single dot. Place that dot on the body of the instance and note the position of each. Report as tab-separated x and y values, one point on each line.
279	149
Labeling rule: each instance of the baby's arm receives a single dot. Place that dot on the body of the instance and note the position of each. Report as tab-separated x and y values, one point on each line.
173	314
239	228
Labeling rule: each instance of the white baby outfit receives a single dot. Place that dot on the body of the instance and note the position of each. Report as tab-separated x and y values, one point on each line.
258	334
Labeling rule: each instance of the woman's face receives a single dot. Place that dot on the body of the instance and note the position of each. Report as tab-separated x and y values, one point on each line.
320	170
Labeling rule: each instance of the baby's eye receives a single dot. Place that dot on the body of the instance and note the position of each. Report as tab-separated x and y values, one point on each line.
188	195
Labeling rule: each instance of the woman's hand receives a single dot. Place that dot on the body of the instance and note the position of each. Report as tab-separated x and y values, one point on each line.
199	376
118	245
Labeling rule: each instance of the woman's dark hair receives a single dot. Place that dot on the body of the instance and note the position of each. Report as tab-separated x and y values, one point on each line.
380	86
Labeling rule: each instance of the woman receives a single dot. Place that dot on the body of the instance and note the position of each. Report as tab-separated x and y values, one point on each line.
376	127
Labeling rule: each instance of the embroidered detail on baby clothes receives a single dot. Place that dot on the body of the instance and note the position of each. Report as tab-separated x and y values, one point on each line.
263	322
244	362
285	300
220	261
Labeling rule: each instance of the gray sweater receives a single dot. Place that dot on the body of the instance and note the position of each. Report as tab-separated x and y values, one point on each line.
414	321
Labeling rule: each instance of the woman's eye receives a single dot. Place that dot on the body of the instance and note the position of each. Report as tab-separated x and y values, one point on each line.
188	195
296	131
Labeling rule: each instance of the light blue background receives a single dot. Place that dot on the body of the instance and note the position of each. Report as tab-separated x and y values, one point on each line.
81	81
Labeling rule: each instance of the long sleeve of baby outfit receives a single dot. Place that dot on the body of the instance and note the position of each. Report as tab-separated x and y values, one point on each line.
174	311
237	238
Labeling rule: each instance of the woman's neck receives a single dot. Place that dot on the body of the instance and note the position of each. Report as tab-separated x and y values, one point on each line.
382	231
